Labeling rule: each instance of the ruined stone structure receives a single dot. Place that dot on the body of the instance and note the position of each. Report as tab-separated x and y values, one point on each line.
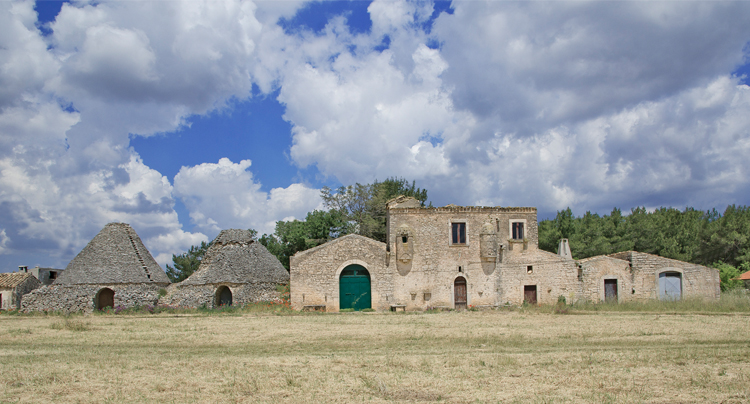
454	257
114	269
45	275
235	270
13	286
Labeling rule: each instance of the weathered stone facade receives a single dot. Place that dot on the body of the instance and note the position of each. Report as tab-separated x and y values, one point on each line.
236	263
312	287
696	280
457	256
83	298
13	286
114	269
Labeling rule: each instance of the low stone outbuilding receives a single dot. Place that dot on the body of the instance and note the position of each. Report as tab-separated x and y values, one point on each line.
114	269
13	286
236	270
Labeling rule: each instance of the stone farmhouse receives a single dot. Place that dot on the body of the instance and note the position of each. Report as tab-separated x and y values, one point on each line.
13	286
456	256
235	270
114	269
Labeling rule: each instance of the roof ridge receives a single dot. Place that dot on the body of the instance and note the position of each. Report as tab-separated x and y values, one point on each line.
130	232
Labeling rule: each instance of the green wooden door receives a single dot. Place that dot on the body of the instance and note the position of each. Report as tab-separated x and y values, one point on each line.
354	288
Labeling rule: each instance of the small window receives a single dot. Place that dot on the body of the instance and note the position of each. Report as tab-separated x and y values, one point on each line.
529	269
427	297
460	269
52	275
458	234
404	239
517	230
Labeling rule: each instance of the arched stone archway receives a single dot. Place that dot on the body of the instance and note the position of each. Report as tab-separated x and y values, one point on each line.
105	298
223	296
354	288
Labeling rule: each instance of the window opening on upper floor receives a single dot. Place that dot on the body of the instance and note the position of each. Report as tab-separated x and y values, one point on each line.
404	239
517	230
529	269
458	233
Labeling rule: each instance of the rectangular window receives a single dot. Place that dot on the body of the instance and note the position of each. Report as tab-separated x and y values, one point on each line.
459	233
517	230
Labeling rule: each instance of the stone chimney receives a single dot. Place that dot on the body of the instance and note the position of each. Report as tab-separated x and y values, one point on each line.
23	268
563	249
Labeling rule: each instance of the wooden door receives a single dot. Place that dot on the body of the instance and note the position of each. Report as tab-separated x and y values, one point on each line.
610	290
529	294
354	288
459	293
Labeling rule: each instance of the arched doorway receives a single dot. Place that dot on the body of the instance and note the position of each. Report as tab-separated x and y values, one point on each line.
670	286
223	296
105	298
354	288
459	293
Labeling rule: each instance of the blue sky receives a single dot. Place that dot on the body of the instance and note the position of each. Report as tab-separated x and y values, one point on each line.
184	118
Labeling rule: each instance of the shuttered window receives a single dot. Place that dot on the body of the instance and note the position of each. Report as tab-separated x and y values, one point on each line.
458	233
517	230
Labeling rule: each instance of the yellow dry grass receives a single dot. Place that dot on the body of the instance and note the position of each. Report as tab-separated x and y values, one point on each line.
452	357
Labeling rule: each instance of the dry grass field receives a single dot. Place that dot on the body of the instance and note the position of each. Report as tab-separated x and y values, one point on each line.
519	356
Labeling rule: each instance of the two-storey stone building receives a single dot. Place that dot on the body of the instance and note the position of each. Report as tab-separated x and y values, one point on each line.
454	257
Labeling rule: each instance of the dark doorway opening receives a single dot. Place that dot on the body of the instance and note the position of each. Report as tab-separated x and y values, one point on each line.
223	296
105	298
354	288
529	294
610	290
459	293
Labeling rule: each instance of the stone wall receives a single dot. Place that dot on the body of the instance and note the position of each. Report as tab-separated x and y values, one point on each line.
81	298
314	275
698	281
199	295
552	275
594	272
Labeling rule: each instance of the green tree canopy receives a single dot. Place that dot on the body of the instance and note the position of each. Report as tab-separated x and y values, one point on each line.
186	263
358	209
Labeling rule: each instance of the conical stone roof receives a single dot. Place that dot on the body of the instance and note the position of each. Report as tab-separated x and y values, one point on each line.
234	257
115	255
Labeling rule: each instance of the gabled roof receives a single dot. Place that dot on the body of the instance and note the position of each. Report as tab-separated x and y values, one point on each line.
348	237
13	279
115	255
745	276
235	257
